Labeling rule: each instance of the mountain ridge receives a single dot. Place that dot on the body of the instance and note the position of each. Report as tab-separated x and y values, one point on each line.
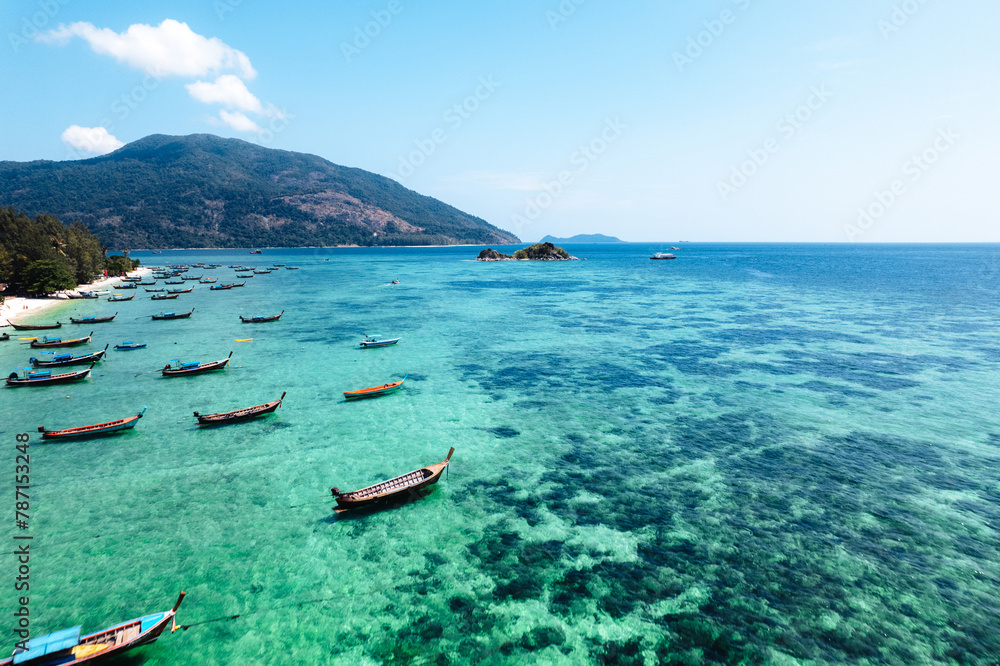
200	190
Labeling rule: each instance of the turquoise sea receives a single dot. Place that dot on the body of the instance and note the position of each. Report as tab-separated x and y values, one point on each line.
755	454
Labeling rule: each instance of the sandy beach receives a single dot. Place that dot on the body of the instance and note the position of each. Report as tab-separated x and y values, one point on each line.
15	307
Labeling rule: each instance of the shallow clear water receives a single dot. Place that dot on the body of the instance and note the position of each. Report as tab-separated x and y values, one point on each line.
753	454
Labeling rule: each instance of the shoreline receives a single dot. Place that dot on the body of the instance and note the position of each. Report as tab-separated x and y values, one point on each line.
15	307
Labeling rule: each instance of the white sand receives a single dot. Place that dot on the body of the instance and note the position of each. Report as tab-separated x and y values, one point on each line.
16	307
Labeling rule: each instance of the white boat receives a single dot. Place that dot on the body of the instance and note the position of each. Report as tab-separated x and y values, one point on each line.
662	255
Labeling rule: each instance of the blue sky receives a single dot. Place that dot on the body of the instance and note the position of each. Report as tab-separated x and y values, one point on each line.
731	120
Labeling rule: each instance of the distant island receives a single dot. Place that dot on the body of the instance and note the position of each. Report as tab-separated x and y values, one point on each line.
583	238
201	190
536	252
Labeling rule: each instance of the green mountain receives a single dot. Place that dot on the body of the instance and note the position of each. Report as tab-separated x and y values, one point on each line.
583	238
206	191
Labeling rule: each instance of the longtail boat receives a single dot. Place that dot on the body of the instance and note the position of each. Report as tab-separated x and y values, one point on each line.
155	291
190	277
195	367
244	276
373	341
46	341
220	287
128	344
291	268
93	430
375	390
261	272
115	298
257	319
45	377
68	648
240	414
129	285
172	315
62	360
208	281
162	297
95	320
180	291
34	327
238	284
174	282
392	490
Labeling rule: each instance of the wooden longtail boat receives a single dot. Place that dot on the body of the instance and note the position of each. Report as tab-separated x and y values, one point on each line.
208	281
375	390
257	319
34	327
174	282
245	276
131	279
154	291
172	315
129	285
220	287
240	414
162	297
62	360
45	342
190	277
372	341
45	377
93	430
115	298
68	648
128	344
291	268
238	284
95	320
180	291
195	367
393	489
261	272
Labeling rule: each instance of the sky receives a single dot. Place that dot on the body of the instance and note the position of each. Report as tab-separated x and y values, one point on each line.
729	120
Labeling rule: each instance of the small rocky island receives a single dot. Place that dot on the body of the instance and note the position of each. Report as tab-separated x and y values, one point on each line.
536	252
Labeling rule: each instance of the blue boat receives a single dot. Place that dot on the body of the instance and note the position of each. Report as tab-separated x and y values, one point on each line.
61	360
128	344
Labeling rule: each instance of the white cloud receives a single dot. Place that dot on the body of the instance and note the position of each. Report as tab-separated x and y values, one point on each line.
94	140
169	49
239	122
227	90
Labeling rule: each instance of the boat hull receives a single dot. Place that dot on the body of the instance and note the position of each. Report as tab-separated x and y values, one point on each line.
61	343
239	415
99	429
36	327
394	490
64	378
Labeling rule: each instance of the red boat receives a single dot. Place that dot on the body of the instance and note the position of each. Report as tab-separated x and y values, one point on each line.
93	430
239	414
